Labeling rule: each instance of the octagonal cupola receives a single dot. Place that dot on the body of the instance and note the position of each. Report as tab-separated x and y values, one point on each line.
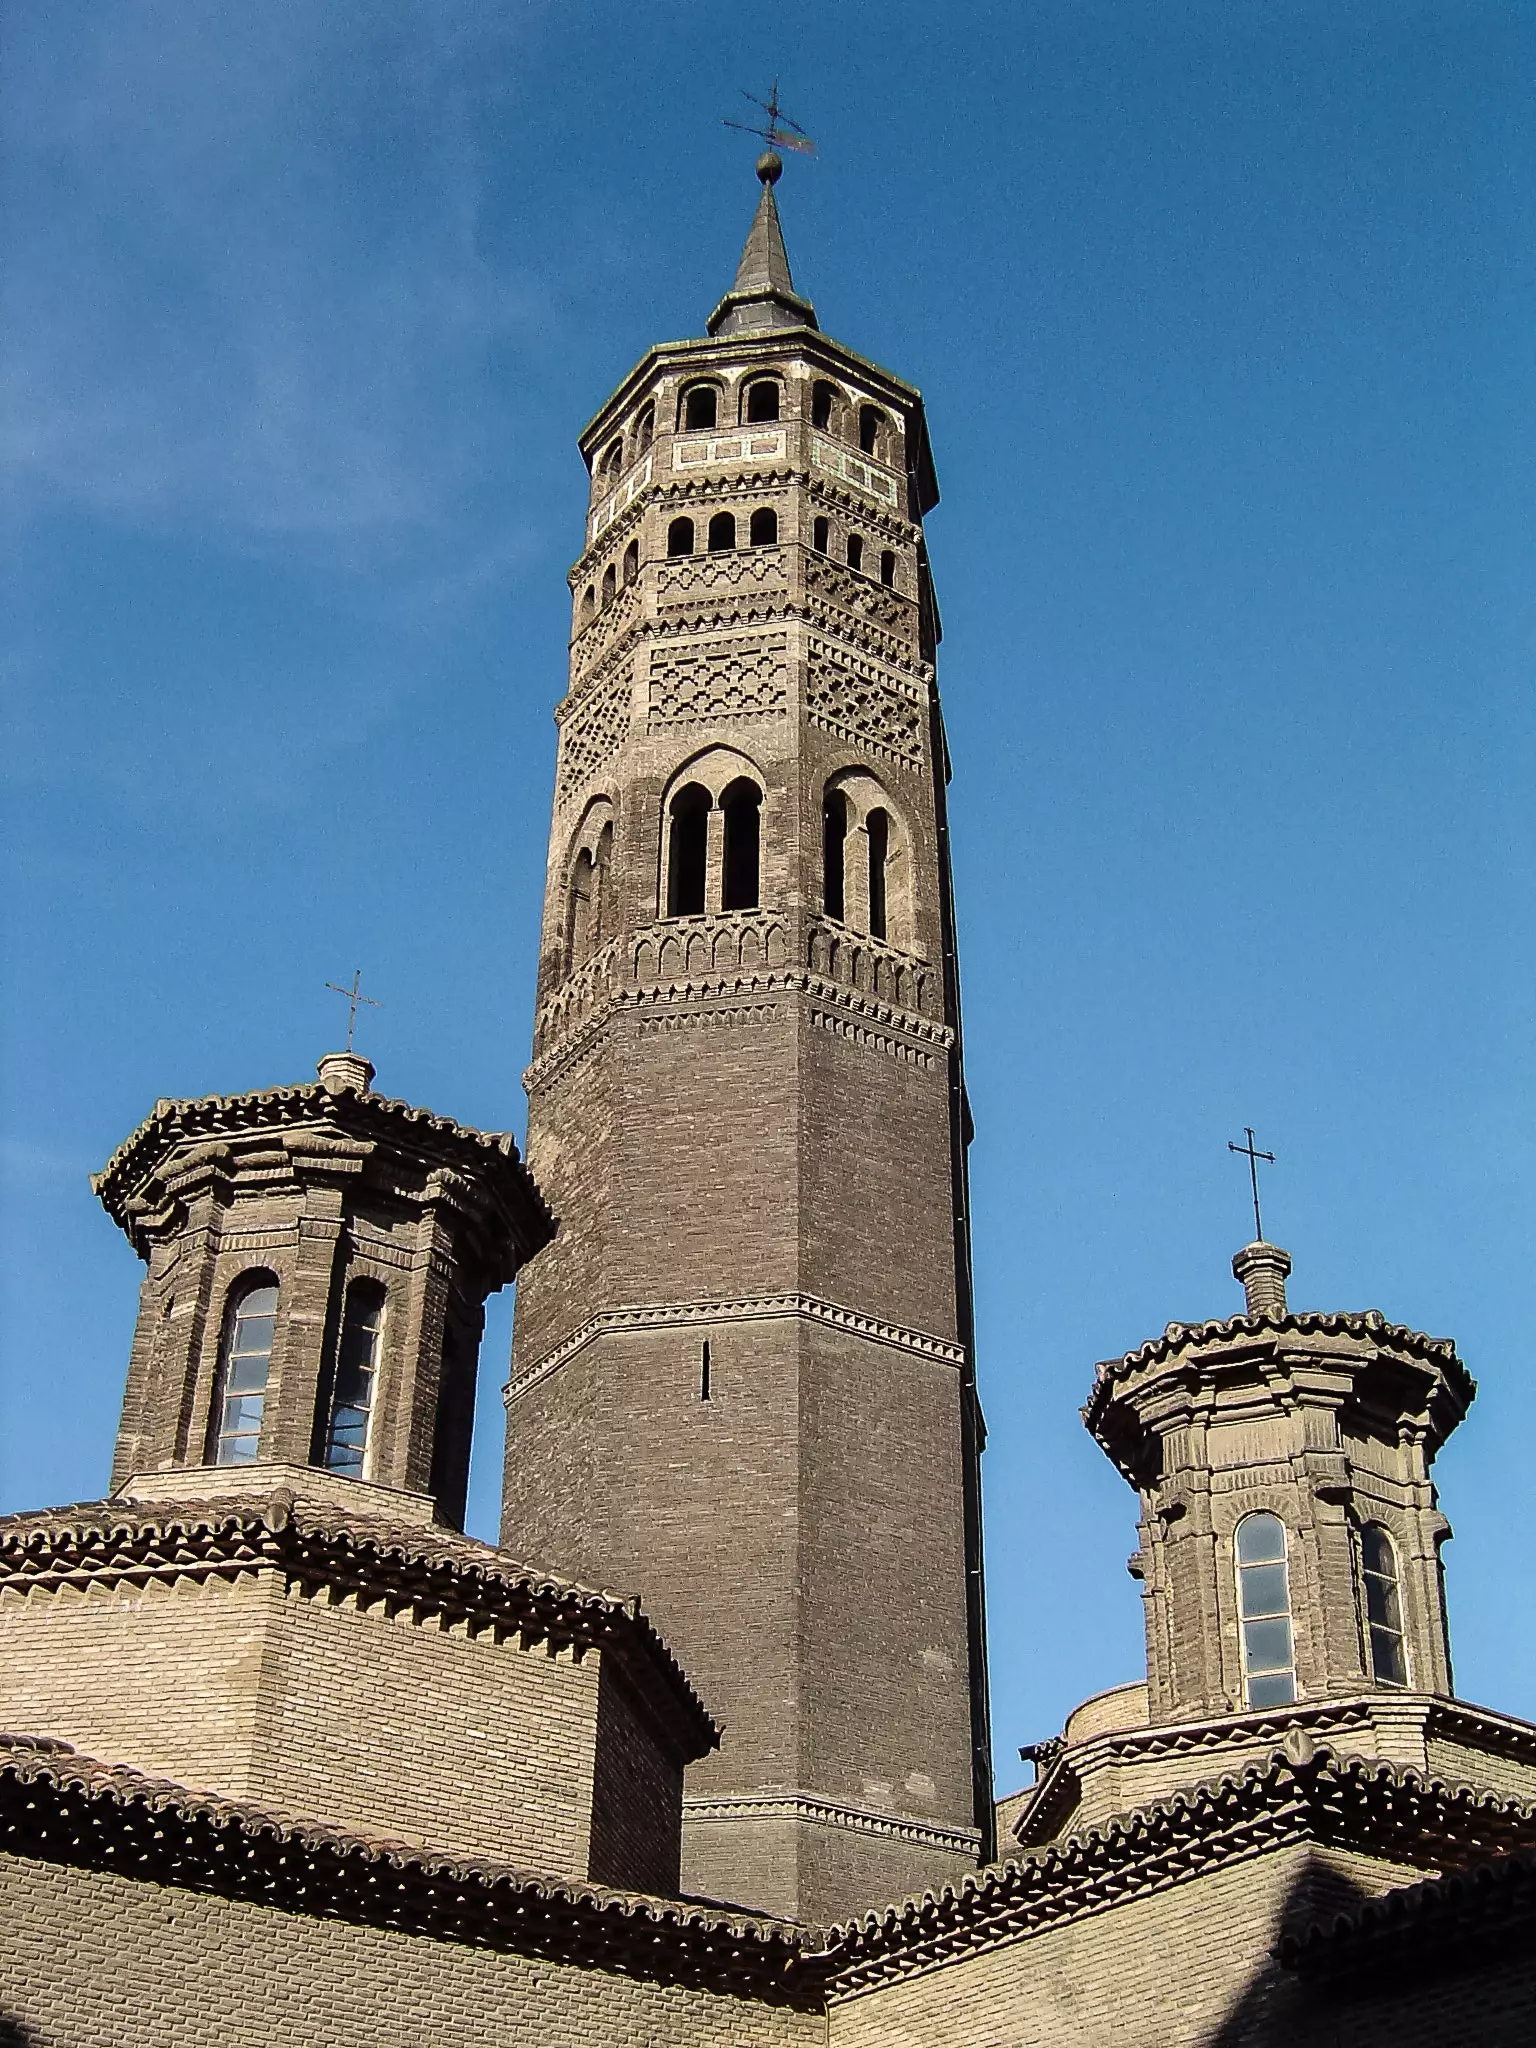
1290	1531
319	1258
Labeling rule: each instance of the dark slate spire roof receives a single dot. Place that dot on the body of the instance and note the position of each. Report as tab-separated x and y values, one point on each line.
764	295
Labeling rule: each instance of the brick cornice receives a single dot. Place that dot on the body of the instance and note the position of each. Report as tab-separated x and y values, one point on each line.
743	1308
831	1813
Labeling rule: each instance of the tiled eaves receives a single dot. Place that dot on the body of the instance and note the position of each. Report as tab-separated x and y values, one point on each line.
62	1808
1374	1808
431	1573
213	1117
1186	1340
1422	1927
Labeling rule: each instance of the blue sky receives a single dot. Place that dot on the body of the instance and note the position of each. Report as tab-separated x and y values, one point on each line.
1223	316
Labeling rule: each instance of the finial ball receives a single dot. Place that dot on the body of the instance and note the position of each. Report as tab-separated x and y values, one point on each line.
770	167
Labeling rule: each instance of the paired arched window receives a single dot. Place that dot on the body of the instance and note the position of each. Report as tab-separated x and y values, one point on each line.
714	866
357	1365
762	401
834	846
245	1361
1383	1607
722	533
855	551
680	537
764	527
1264	1612
631	562
645	429
700	409
688	850
742	805
823	404
871	429
821	535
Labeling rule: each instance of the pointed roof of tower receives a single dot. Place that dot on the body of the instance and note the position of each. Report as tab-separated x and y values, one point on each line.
764	295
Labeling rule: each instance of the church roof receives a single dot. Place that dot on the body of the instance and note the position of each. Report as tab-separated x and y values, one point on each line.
436	1571
1302	1793
67	1808
1422	1926
764	295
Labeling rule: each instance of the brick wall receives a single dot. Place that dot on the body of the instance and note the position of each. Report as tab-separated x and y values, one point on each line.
394	1726
93	1960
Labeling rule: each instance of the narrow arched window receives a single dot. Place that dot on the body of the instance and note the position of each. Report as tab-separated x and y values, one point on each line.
610	585
870	423
834	837
722	533
645	429
762	401
680	537
244	1365
742	805
613	461
579	915
821	535
877	828
588	603
701	408
888	569
687	851
631	562
855	552
1264	1610
602	887
823	404
357	1364
764	529
1383	1606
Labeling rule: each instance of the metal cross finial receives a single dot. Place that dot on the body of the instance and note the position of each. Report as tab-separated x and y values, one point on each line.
780	132
354	996
1251	1153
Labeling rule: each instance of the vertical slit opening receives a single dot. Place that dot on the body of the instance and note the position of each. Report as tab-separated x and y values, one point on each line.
704	1372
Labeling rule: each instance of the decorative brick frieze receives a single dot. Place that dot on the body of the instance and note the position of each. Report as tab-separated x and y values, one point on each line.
719	679
693	452
692	956
608	509
693	579
871	478
846	694
593	730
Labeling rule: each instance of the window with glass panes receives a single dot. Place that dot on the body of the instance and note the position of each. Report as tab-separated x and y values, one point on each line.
243	1374
1383	1606
346	1443
1264	1609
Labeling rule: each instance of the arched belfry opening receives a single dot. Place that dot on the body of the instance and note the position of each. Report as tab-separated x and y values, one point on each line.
688	850
742	810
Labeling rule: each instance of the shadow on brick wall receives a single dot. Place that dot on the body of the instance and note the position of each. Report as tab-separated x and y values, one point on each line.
1276	2011
14	2035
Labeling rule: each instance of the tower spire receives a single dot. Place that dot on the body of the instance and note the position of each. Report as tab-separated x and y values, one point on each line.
764	294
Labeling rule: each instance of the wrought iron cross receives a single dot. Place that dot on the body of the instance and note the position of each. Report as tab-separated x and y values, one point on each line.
1251	1153
780	131
355	996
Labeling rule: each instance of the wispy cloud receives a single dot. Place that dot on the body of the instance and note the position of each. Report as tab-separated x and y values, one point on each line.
244	285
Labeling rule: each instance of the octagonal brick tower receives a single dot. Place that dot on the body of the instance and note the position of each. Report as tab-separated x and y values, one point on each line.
742	1378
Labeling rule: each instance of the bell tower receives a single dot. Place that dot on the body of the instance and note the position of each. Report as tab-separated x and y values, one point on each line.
742	1372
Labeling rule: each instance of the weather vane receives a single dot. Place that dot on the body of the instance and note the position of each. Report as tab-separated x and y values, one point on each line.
1253	1156
780	131
354	996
